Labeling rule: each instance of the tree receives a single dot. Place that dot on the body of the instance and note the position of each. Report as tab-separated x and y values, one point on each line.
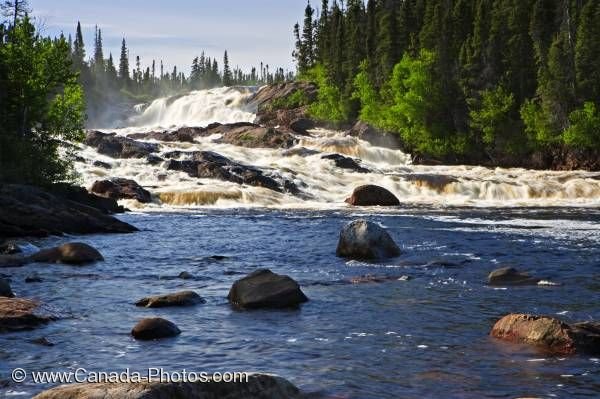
307	50
78	49
587	53
15	10
227	77
124	64
99	67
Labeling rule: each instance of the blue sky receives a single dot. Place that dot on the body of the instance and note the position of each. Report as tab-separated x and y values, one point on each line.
175	31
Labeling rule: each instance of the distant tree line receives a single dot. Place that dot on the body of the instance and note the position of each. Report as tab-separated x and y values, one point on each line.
458	76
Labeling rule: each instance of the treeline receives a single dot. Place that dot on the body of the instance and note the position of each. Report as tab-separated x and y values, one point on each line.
106	83
499	77
41	101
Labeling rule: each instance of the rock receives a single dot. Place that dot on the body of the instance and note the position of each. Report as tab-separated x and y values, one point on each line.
257	386
302	125
33	278
433	182
185	276
183	135
154	159
210	165
75	253
103	165
361	239
82	196
268	96
299	151
345	163
21	314
5	290
10	248
154	328
549	334
265	289
254	136
7	261
510	276
183	298
375	136
119	146
30	211
369	278
118	188
371	195
43	341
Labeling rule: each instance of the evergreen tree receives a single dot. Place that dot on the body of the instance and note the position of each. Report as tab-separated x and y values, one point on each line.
227	77
78	48
587	53
124	64
99	67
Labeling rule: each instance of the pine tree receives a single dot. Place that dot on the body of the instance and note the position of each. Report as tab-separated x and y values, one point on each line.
322	41
307	50
78	49
227	77
99	67
124	64
587	53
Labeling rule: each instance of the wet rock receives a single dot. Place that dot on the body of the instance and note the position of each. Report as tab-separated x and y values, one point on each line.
21	314
183	298
43	341
33	278
10	248
154	328
119	146
254	136
82	196
362	239
269	96
184	135
302	125
185	276
371	195
369	278
154	160
103	165
510	276
218	257
5	290
345	163
7	261
433	182
30	211
549	334
258	386
299	151
375	136
75	253
207	164
265	289
118	188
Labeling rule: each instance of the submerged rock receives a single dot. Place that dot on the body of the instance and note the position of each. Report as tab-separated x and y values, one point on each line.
511	276
370	278
118	188
5	290
185	276
549	334
257	386
154	328
103	165
265	289
43	341
433	182
345	163
362	239
33	278
183	298
372	195
75	253
119	146
21	314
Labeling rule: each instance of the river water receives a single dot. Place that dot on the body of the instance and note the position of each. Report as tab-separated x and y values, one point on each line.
425	337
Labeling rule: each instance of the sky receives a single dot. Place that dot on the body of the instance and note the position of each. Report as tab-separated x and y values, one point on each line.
178	30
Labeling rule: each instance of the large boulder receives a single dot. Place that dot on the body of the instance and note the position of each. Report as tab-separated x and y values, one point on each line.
75	253
30	211
549	334
278	96
118	188
345	163
256	386
21	314
254	136
372	195
362	239
154	328
82	196
510	276
5	290
183	298
119	146
265	289
374	136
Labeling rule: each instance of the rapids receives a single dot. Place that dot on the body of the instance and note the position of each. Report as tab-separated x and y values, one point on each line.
323	185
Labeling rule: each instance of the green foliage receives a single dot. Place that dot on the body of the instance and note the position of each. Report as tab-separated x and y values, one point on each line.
492	116
297	99
584	131
330	105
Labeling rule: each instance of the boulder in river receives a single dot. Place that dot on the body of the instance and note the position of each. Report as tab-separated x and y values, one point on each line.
362	239
154	328
265	289
375	136
5	290
510	276
182	298
345	163
254	136
372	195
21	314
119	146
30	211
75	253
118	188
10	248
549	334
257	386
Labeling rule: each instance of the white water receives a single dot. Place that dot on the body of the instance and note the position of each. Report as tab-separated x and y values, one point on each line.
326	184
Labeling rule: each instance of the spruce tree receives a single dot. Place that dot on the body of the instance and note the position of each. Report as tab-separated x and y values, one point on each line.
124	64
78	48
587	53
227	77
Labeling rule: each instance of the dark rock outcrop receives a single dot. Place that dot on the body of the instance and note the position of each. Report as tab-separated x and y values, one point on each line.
433	182
5	290
118	146
257	386
510	276
268	96
210	165
549	334
103	165
21	314
154	328
265	289
10	248
82	196
254	136
302	125
183	298
362	239
372	195
30	211
75	253
118	188
375	136
345	163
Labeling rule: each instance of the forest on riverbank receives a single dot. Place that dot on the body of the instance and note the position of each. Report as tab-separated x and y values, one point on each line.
462	78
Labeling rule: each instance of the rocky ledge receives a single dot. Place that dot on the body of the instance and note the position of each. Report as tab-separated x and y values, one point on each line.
21	314
30	211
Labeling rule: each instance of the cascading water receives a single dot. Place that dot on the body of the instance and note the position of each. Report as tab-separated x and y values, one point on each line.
322	183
